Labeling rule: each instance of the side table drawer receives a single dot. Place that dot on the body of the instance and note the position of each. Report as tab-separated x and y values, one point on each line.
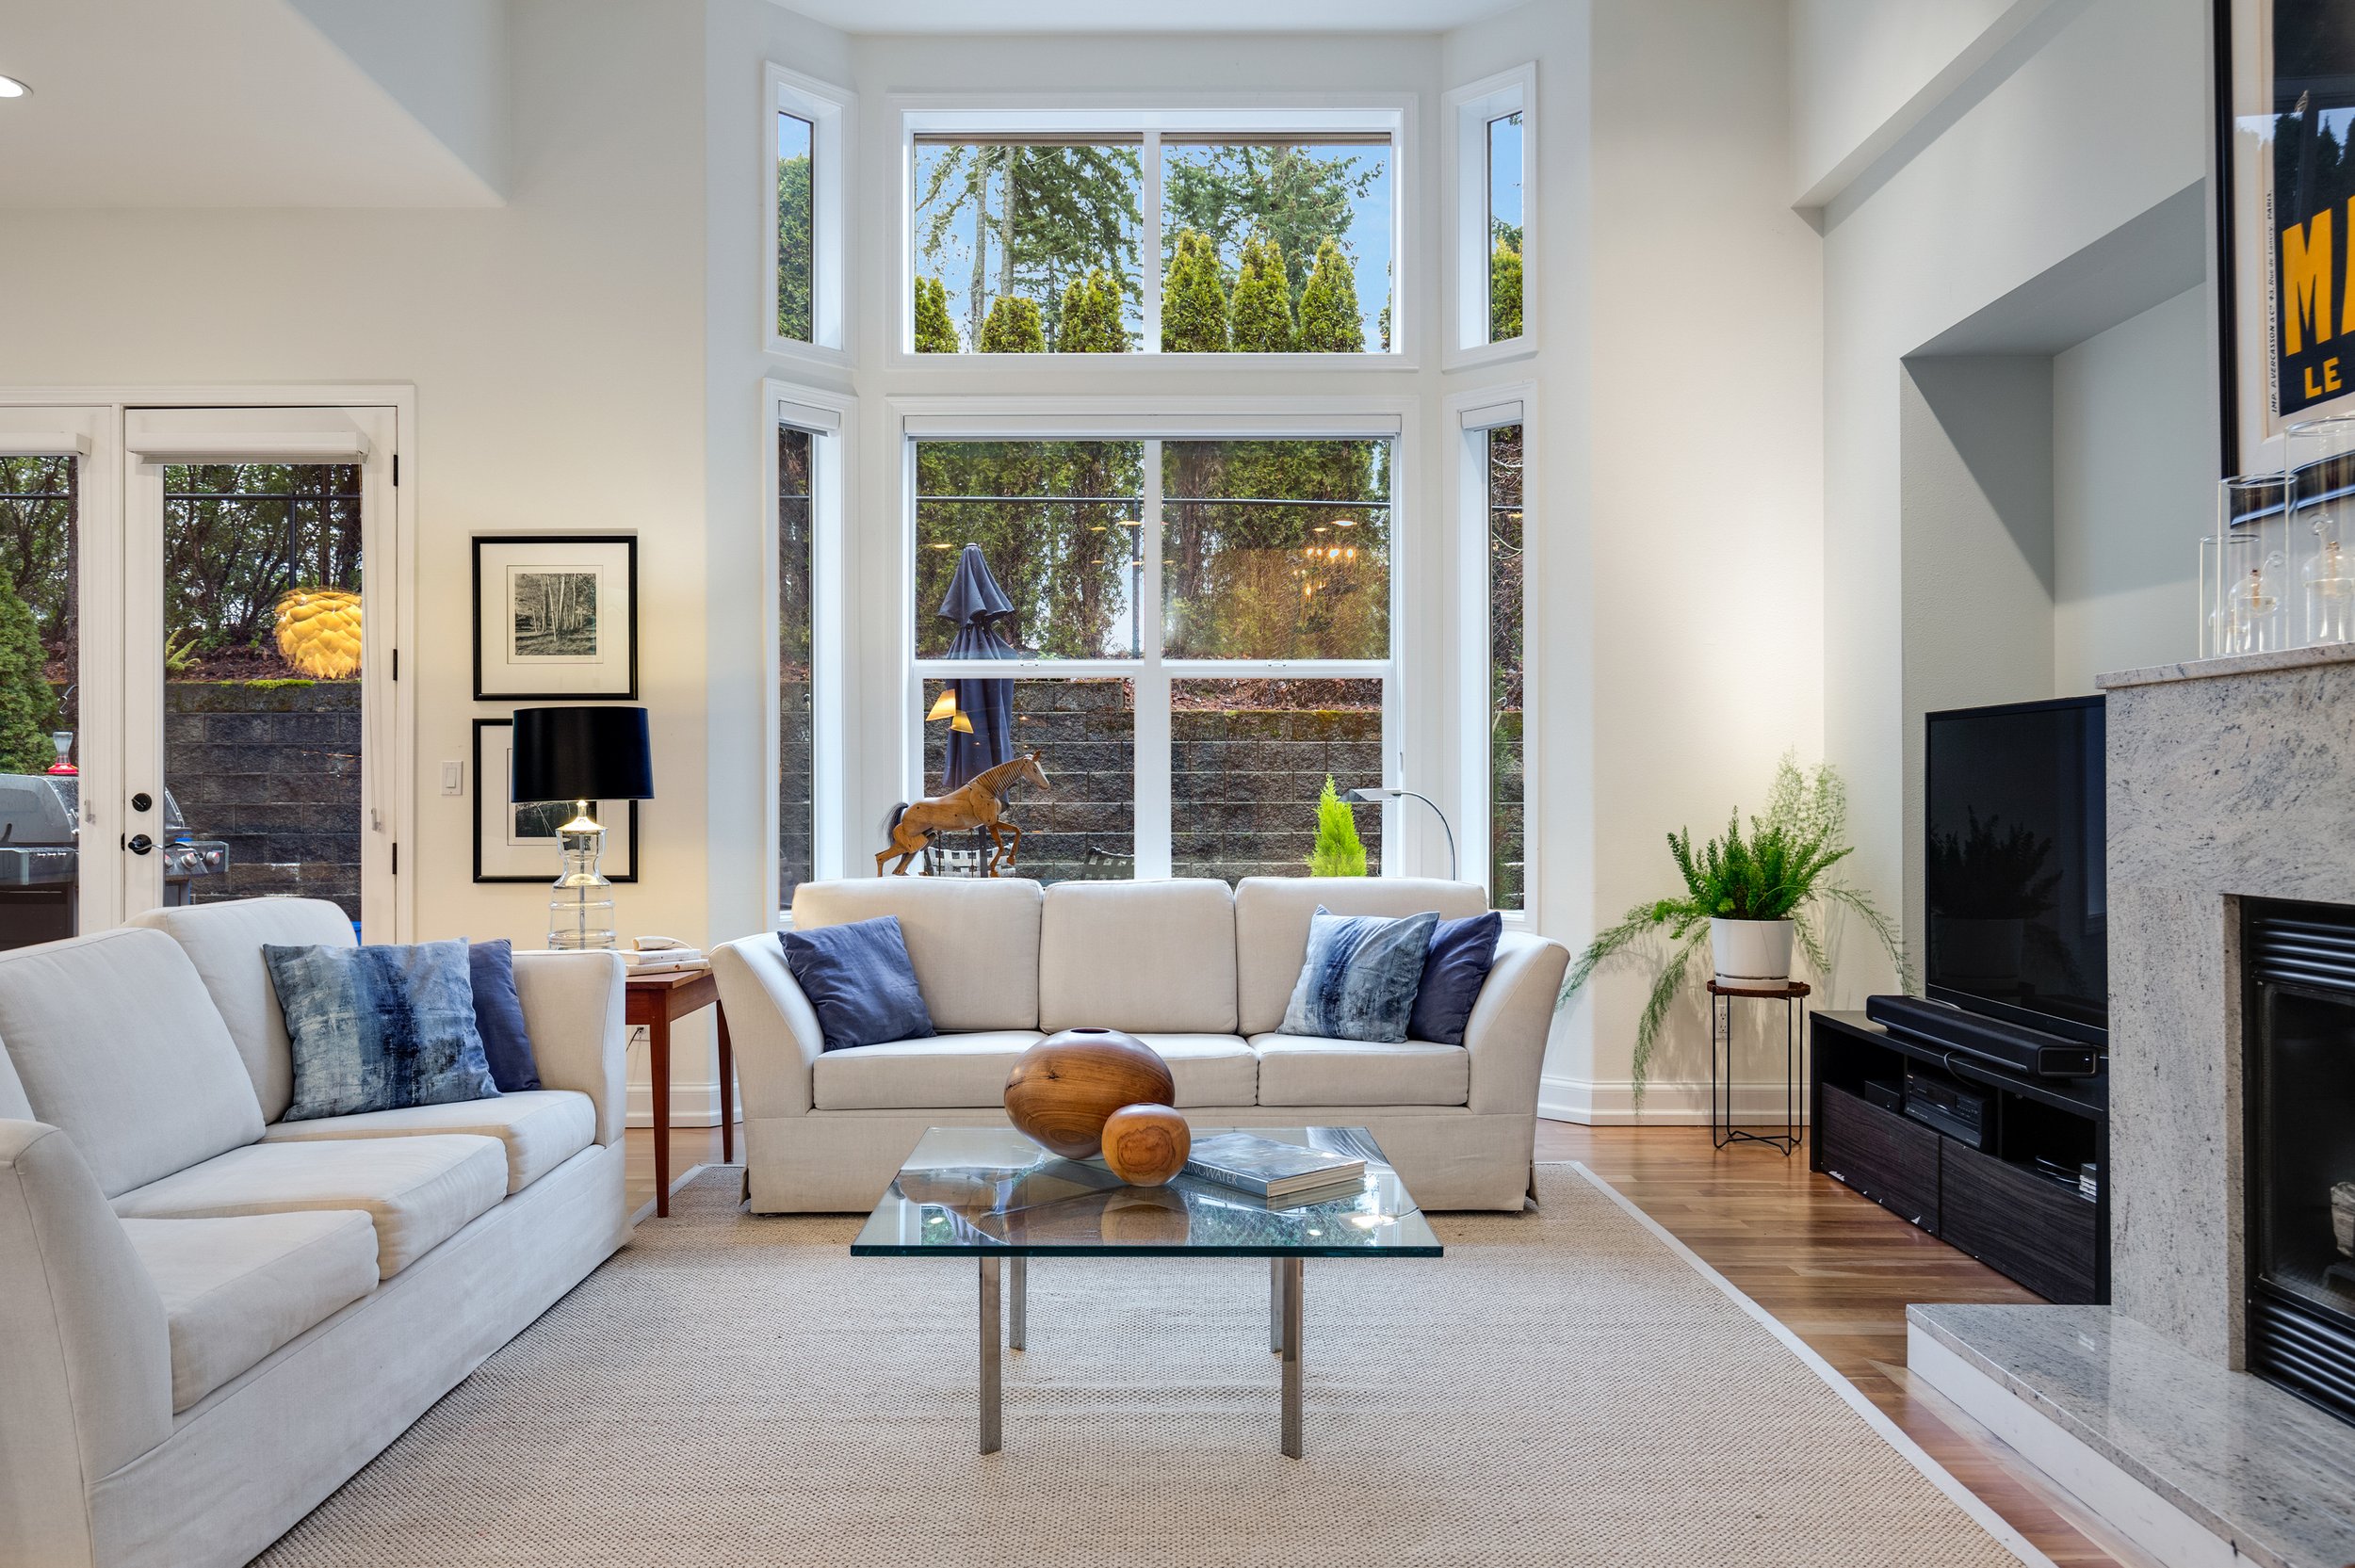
1891	1160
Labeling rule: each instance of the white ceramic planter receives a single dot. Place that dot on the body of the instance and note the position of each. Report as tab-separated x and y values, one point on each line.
1751	952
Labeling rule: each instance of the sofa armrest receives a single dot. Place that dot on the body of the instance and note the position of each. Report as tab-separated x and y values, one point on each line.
84	1356
774	1030
1506	1032
575	1006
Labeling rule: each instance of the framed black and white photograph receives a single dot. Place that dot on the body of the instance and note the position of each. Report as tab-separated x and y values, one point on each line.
515	841
555	617
2285	163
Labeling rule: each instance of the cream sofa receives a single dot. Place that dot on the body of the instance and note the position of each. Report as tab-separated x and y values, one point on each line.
1199	972
209	1318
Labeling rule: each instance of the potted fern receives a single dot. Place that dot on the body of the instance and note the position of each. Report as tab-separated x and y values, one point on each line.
1749	900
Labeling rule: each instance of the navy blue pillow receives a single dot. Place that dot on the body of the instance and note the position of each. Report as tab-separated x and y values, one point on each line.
859	982
1462	952
498	1016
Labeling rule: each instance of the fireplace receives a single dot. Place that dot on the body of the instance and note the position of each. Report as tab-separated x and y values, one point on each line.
2298	968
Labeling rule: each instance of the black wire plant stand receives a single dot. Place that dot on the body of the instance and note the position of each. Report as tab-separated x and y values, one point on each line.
1793	995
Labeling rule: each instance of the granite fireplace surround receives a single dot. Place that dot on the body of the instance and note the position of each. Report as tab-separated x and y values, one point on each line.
2228	778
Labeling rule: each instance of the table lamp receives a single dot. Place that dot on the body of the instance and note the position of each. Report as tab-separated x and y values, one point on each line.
584	755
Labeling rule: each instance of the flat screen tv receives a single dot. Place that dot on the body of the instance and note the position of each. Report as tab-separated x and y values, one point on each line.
2015	869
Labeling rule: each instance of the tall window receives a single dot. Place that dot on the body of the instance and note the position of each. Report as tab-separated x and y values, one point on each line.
1223	240
807	152
797	827
797	238
1192	636
1488	132
1504	227
1507	791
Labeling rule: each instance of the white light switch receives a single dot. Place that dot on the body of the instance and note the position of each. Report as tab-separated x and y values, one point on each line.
453	778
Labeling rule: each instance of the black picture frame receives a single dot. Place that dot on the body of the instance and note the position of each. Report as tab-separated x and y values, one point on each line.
626	562
485	795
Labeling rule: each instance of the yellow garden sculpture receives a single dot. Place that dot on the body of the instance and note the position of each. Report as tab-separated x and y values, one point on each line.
319	632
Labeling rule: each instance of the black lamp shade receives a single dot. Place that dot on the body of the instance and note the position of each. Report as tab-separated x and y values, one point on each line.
585	753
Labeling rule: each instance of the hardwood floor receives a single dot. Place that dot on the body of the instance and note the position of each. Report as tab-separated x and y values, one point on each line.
1836	1269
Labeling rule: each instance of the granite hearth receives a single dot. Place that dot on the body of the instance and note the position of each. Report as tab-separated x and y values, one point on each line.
2229	779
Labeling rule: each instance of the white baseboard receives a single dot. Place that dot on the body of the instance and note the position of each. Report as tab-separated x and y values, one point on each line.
1611	1103
2125	1505
692	1104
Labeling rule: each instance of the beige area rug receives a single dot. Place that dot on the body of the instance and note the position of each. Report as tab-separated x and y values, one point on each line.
1563	1387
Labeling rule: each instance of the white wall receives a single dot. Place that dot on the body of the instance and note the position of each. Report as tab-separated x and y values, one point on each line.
2134	429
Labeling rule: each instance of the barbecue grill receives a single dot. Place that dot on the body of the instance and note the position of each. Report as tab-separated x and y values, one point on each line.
39	856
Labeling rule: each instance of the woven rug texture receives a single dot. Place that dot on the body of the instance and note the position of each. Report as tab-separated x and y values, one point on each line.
1561	1388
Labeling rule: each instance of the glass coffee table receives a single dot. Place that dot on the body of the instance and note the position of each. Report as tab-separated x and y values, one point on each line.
992	1194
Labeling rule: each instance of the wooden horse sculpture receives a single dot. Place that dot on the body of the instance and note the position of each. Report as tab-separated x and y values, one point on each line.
980	803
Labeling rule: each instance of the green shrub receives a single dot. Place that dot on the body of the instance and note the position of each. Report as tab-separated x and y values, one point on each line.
1013	327
1260	317
1329	322
28	706
934	333
1339	851
1090	321
1193	298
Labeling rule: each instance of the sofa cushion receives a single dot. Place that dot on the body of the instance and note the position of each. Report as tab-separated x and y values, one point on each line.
858	980
541	1128
14	1107
1209	1068
378	1028
974	941
1138	956
420	1191
235	1290
116	1042
1462	953
1272	928
1357	979
942	1072
1306	1070
498	1016
224	941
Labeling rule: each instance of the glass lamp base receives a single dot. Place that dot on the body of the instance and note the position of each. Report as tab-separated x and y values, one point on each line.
580	906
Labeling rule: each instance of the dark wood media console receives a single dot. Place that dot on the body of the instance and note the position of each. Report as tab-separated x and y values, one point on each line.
1994	1202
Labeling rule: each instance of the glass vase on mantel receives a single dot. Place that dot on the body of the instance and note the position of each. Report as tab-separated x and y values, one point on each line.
2320	470
2244	570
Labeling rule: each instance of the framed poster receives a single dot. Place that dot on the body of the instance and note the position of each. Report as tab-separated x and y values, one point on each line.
2285	206
515	841
555	617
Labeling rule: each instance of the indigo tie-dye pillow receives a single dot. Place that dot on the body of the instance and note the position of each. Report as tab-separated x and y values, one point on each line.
1360	976
378	1028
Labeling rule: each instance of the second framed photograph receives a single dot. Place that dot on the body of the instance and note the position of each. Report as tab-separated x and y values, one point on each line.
515	841
555	616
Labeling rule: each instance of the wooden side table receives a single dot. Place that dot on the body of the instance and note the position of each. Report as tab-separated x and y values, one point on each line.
1722	1131
655	1002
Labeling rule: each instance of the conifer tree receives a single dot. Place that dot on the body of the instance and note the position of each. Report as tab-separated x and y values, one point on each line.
1505	293
1090	319
1260	317
935	334
1329	322
1013	327
1194	300
1339	851
27	703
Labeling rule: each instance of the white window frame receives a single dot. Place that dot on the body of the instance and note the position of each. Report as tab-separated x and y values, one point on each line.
1464	268
831	418
831	111
1154	421
1149	120
1470	415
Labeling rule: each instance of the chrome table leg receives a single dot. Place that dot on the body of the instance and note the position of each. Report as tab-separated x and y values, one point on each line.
1018	1315
1288	1271
1276	1306
992	1436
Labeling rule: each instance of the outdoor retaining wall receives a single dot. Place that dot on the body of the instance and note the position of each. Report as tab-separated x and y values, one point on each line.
274	769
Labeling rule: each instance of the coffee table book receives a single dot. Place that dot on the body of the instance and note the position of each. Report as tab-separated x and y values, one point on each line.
1279	1173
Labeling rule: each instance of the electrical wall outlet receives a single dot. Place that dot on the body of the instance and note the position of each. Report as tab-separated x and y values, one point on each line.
453	778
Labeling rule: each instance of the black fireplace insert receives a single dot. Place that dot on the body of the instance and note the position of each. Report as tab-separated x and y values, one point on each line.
2297	976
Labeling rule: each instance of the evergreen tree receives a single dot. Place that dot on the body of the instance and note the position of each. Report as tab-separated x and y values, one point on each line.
27	703
1339	851
1194	300
1329	322
1090	320
935	334
1505	293
1260	317
1013	328
794	257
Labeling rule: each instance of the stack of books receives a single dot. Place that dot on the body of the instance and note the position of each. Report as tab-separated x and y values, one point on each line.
663	955
1286	1175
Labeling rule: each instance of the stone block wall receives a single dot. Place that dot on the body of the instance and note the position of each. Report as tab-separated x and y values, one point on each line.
274	769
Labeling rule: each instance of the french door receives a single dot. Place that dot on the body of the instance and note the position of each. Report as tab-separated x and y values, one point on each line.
210	592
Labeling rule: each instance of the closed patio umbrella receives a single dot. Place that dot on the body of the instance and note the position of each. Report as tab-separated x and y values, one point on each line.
981	735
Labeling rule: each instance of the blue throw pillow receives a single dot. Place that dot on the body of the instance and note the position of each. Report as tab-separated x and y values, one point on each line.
859	982
498	1016
378	1028
1360	979
1462	953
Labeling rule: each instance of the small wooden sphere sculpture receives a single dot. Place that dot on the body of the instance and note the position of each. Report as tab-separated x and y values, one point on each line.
1147	1145
1063	1089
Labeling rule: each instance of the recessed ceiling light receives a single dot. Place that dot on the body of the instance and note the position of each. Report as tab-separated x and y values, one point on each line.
11	87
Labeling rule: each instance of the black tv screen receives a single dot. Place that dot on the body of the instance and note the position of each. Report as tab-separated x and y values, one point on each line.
2015	870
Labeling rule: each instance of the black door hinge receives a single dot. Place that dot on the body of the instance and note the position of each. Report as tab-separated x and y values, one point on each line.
396	859
395	664
395	468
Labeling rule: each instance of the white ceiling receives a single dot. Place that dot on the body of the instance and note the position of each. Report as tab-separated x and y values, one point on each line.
227	104
1148	16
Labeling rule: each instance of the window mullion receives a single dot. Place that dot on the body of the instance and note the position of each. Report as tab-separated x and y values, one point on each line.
1150	244
1152	690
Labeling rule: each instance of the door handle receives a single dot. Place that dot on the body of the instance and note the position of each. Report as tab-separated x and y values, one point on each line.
139	843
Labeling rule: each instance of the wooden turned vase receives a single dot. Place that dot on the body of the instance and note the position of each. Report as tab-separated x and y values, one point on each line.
1063	1089
1147	1145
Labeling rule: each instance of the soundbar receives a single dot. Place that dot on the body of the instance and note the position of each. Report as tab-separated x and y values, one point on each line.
2008	1046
